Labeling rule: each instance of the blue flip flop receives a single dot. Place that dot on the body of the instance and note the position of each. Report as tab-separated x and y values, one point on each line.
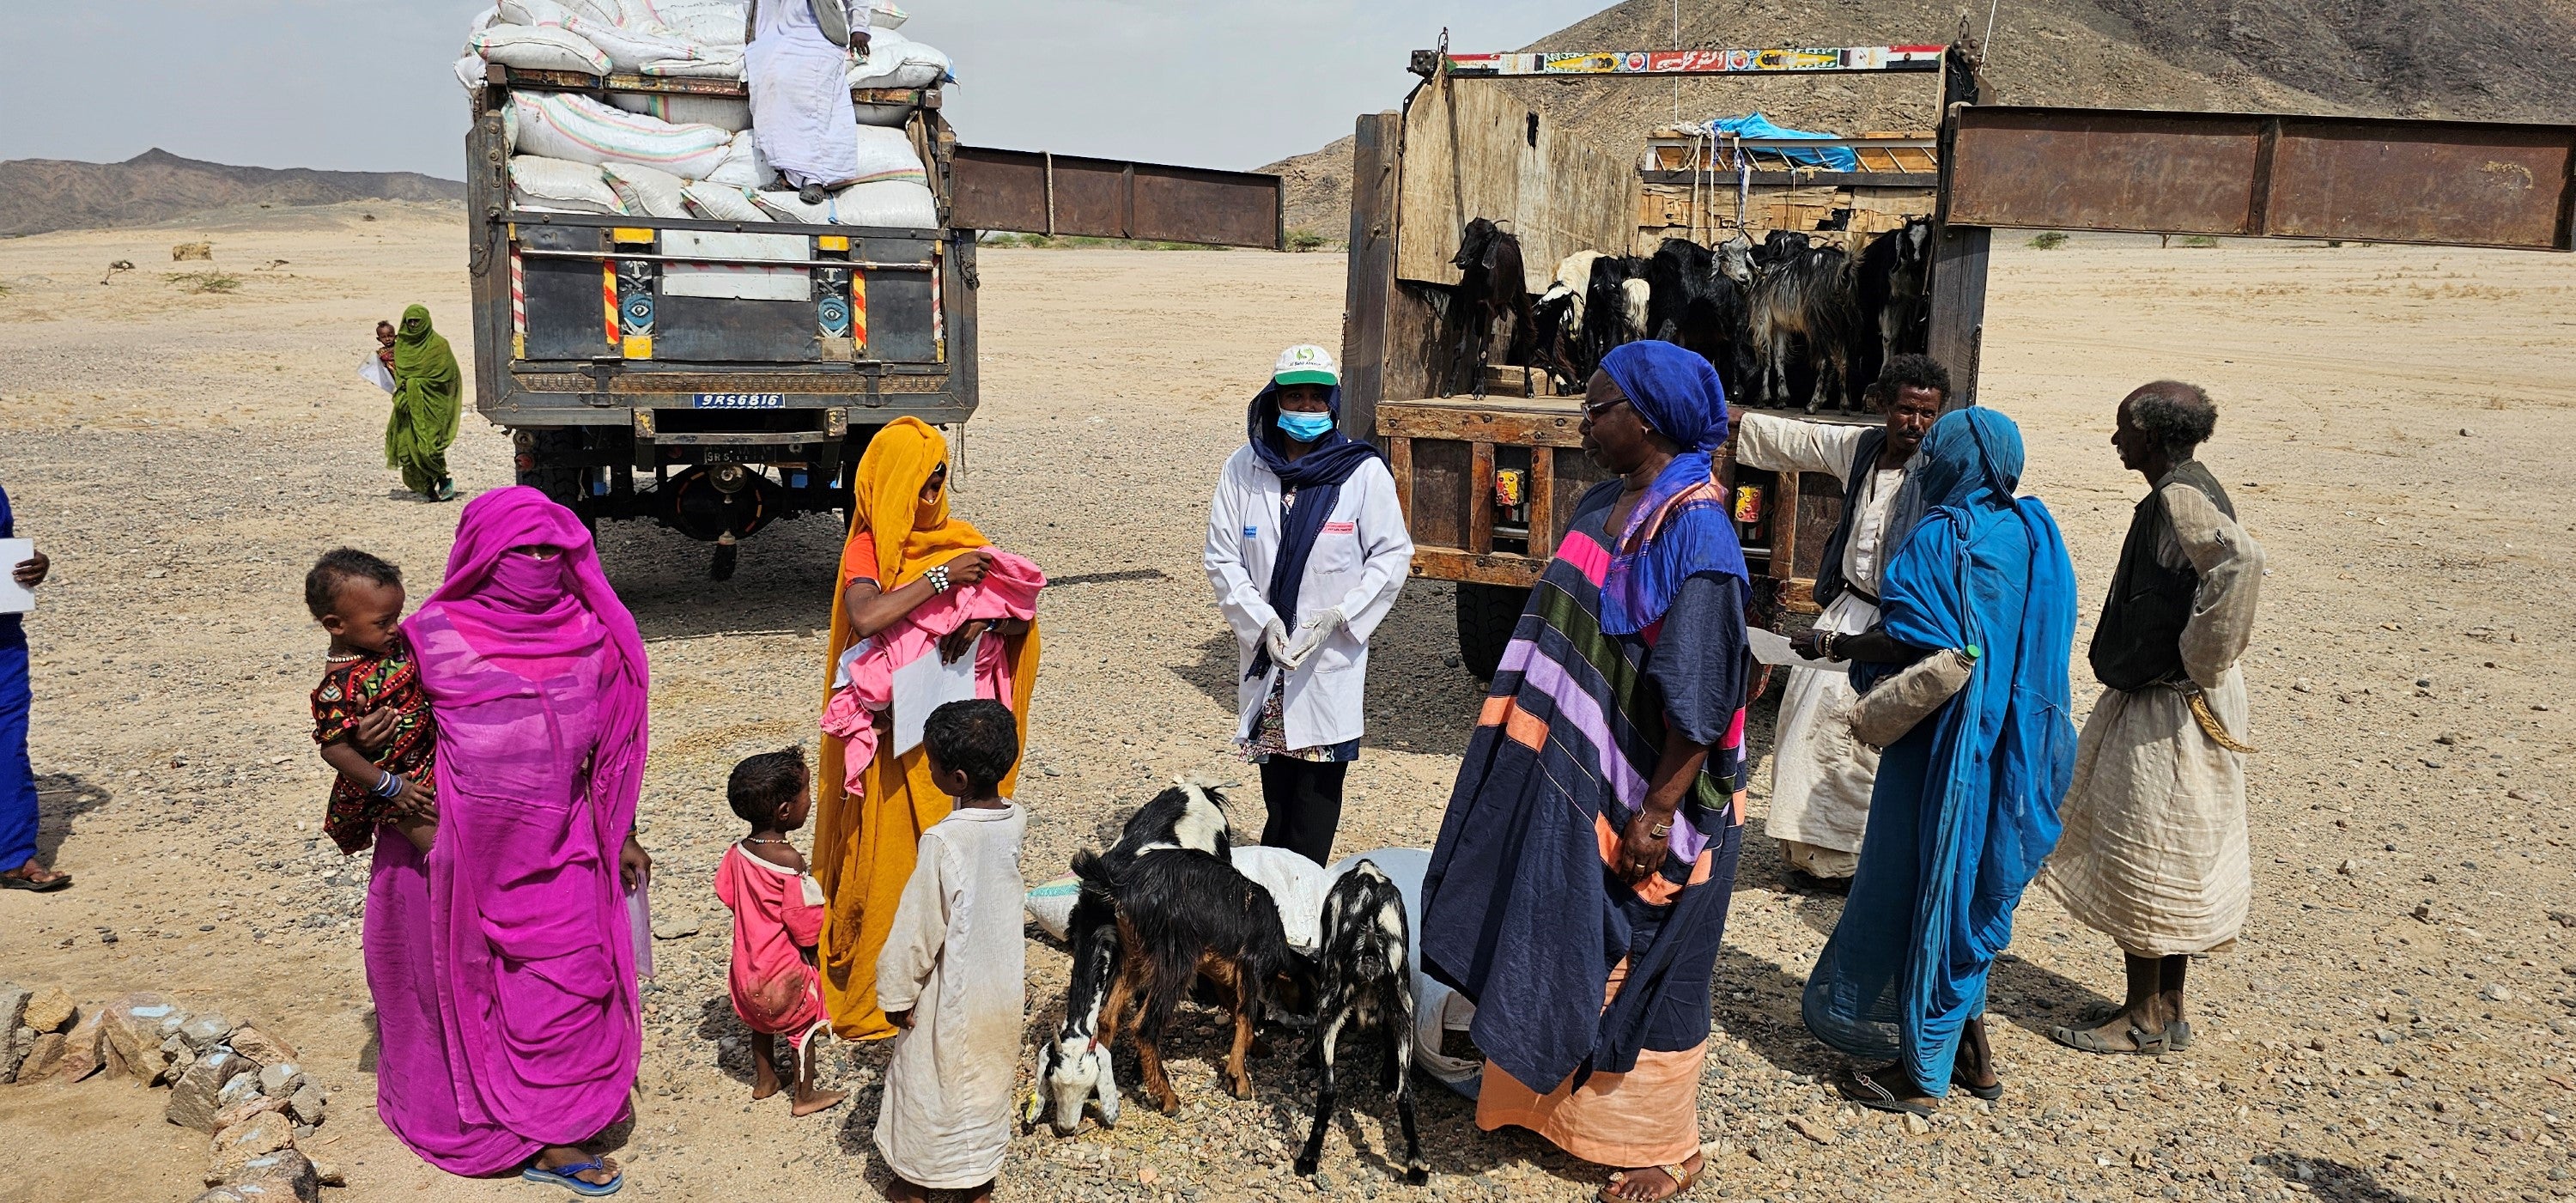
563	1176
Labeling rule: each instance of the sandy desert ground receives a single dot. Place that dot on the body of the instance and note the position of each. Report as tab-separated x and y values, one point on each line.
2397	1023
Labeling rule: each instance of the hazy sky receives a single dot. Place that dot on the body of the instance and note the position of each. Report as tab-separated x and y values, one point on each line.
367	84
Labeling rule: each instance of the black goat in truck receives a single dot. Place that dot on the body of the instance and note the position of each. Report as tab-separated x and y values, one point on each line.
1692	304
1493	286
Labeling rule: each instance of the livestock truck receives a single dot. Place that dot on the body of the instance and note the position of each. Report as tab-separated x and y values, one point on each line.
716	376
1488	484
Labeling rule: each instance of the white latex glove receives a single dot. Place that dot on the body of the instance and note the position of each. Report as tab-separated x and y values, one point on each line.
1275	638
1312	635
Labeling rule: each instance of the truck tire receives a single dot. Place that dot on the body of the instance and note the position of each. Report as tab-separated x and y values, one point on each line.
544	467
1486	616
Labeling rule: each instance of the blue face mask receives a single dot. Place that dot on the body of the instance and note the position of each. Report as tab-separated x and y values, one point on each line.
1305	428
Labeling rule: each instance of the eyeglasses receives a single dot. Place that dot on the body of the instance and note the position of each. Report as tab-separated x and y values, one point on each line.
1593	411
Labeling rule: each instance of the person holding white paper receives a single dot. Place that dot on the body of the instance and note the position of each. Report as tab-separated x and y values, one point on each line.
915	583
1820	776
17	773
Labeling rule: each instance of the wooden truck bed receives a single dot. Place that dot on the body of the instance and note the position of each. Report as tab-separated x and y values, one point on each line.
1448	454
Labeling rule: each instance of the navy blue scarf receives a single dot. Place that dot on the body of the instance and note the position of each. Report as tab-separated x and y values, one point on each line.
1317	478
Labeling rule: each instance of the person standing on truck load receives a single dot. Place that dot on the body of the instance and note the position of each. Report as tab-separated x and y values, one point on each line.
19	867
1966	802
1307	550
2155	854
1578	892
802	118
429	395
503	961
1820	775
906	574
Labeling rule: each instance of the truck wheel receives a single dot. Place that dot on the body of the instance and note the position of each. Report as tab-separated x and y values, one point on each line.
542	464
1486	616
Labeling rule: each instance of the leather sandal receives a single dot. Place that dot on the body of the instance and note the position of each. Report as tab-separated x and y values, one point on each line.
2175	1037
1684	1178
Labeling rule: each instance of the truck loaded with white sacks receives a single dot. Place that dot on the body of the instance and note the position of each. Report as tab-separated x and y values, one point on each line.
667	340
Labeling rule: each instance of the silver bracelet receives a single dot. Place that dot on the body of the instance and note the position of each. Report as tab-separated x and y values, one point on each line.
938	578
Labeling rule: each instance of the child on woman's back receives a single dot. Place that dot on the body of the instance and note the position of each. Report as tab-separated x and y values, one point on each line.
369	714
952	975
777	917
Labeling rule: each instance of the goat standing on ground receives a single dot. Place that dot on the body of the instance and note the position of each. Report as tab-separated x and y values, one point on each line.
1077	1067
1185	914
1365	979
1494	286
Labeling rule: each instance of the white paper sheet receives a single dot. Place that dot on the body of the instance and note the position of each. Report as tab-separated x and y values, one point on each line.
925	685
1771	648
14	597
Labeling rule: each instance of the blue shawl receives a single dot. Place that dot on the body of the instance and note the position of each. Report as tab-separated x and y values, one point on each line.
1681	527
1966	805
1317	478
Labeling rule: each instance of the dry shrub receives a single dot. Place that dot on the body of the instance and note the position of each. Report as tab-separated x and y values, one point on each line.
205	282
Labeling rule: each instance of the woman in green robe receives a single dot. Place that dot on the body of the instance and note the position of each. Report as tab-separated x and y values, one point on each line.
428	396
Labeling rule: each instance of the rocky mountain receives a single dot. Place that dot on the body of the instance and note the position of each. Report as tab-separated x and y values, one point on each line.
2471	59
37	195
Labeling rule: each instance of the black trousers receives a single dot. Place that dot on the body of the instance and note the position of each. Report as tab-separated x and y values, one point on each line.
1305	802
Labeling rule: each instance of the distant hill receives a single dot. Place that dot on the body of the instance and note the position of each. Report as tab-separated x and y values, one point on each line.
2493	60
37	195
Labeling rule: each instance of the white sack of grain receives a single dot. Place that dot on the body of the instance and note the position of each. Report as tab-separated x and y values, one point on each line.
561	125
540	185
895	61
887	204
722	202
723	112
646	192
887	154
743	166
539	48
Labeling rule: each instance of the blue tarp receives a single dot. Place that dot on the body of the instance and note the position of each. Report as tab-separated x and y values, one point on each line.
1755	125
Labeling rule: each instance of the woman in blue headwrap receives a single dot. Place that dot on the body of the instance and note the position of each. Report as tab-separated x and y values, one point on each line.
1307	549
1966	803
1579	888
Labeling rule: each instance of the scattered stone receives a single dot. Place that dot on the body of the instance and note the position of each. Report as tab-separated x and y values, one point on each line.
677	926
132	1023
1917	1124
1146	1176
261	1047
43	1055
2495	992
283	1174
244	1111
281	1079
2303	685
329	1173
195	1099
1815	1130
238	1091
235	1146
22	1041
50	1010
82	1048
13	1006
2562	918
2348	868
205	1031
306	1104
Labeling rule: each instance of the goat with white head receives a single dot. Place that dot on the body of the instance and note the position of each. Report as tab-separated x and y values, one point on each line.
1076	1067
1365	978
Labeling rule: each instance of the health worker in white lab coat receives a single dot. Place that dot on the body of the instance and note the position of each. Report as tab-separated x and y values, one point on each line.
1307	550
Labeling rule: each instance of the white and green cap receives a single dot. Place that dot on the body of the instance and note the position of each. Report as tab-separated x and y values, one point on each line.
1307	363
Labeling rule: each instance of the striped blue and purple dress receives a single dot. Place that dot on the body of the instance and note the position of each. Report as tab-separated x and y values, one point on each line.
1592	995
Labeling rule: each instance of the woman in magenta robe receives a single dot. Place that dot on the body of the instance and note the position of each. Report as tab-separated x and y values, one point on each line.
502	962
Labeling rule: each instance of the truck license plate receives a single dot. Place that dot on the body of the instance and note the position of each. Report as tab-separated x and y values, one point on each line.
739	401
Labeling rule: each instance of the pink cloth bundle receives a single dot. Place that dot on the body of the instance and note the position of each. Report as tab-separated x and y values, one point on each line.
1009	590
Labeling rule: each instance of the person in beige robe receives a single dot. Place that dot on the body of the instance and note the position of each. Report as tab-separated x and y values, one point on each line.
1821	777
2154	853
953	974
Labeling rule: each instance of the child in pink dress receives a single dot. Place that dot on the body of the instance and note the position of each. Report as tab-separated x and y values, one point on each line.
777	917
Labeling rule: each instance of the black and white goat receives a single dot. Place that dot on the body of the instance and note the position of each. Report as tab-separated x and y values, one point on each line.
1365	978
1183	915
1804	299
1076	1067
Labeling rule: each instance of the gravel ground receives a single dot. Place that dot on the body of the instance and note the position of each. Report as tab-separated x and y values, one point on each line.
2396	1023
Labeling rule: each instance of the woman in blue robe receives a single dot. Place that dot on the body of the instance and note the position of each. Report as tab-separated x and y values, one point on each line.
1965	807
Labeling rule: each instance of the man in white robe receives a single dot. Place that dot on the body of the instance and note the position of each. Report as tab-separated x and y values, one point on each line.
2154	852
801	115
1820	776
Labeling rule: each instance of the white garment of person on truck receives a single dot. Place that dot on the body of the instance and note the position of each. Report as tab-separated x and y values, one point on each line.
1821	777
801	115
